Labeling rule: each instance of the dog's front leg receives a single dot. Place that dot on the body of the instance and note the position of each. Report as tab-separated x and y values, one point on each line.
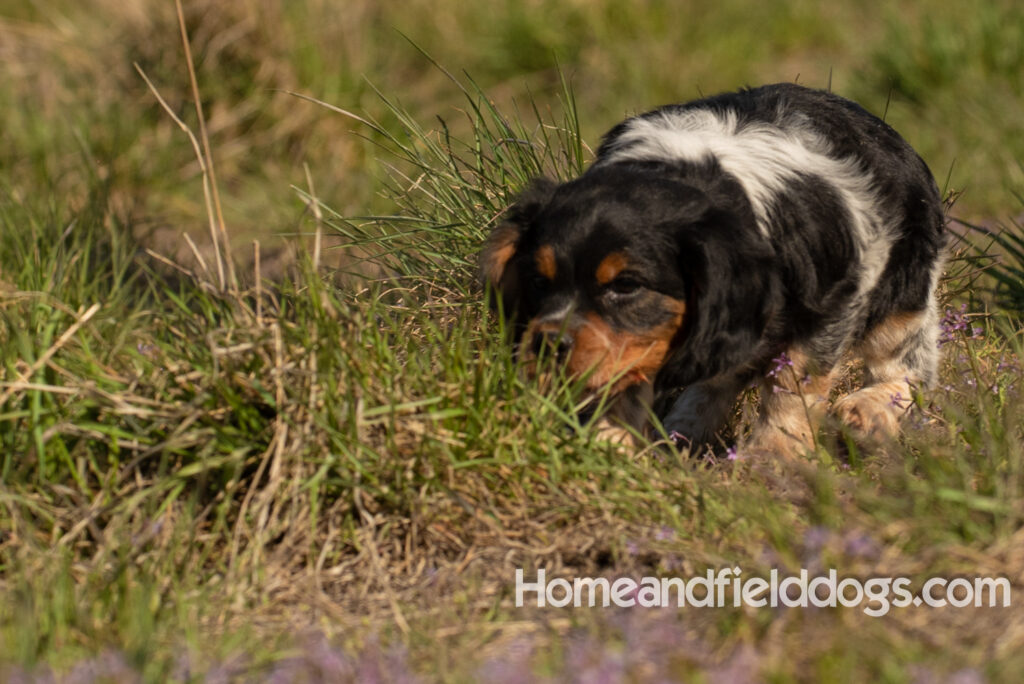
628	415
703	408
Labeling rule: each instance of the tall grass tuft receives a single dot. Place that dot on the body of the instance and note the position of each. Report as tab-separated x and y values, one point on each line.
1008	268
448	191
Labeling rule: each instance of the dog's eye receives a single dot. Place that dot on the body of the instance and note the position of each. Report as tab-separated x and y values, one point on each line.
624	286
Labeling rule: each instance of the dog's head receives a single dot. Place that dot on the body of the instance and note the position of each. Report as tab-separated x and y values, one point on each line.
627	272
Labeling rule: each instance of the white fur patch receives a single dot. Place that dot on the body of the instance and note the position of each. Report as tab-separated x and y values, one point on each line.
557	316
765	158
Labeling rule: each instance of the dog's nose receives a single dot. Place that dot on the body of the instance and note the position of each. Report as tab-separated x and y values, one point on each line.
552	342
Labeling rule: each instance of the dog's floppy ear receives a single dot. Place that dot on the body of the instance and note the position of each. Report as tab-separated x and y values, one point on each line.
503	242
732	296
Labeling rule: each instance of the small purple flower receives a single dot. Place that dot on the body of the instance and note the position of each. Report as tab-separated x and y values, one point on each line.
665	533
782	361
1004	365
152	530
968	675
109	666
731	454
679	439
741	666
817	536
511	667
860	545
954	322
896	400
431	577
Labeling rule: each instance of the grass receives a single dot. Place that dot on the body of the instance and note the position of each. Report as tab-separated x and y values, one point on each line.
333	475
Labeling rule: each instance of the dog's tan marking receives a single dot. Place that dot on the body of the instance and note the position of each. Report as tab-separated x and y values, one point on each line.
875	410
611	266
793	402
886	337
606	353
544	257
499	248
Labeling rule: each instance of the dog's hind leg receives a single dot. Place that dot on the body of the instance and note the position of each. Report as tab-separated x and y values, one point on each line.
900	353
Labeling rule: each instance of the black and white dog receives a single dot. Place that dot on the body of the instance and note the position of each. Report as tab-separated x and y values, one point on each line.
762	235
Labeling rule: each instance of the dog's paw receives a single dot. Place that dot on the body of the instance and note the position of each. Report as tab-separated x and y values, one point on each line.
870	412
773	441
607	431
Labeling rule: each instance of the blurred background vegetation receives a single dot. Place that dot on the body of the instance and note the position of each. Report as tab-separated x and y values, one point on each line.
948	76
187	475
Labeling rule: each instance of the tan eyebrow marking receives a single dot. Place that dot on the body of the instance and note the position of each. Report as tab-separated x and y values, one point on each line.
545	259
611	266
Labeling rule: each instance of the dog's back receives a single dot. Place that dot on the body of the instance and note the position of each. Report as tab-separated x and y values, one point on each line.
852	212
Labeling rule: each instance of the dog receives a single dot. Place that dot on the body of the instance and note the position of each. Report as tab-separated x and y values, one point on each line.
759	237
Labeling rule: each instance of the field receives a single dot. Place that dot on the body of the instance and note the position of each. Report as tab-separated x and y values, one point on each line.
258	423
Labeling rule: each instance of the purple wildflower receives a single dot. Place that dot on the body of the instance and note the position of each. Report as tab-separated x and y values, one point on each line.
512	667
954	322
740	666
592	663
1012	365
108	666
968	675
782	361
679	439
860	545
731	454
816	537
